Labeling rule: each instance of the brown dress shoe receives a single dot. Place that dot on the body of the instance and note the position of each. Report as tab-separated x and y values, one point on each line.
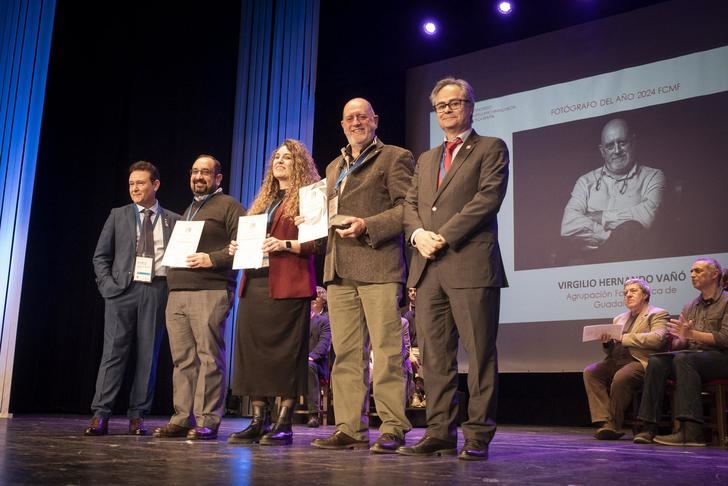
171	431
387	444
474	450
202	433
340	440
98	426
136	426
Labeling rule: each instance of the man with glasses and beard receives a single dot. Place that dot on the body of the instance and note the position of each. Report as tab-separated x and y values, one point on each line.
200	297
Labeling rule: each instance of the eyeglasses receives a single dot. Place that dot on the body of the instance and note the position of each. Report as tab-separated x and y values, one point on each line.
453	105
612	146
202	172
362	117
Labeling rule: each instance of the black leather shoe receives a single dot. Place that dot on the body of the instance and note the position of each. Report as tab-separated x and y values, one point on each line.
282	431
474	450
340	440
258	427
98	426
202	433
136	426
170	431
313	422
387	444
430	446
279	435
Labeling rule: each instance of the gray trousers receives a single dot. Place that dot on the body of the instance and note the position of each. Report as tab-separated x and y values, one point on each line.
362	314
196	328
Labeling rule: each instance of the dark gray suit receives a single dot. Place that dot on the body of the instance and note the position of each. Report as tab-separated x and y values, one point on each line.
458	293
132	310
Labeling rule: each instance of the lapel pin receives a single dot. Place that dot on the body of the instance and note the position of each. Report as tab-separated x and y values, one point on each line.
467	147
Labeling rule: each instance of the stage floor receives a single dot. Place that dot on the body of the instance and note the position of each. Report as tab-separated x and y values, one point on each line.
41	450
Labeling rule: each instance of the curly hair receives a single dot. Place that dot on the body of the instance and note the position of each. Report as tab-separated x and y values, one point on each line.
303	173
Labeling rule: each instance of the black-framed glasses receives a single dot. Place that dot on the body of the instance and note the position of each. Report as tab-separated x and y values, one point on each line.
203	172
453	105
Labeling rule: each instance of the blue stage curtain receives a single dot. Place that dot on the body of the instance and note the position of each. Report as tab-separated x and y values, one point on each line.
275	94
26	27
276	84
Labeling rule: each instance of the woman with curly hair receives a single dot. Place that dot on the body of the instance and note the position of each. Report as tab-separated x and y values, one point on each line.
271	335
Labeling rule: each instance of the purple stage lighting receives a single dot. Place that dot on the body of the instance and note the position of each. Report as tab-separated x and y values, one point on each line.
429	27
505	7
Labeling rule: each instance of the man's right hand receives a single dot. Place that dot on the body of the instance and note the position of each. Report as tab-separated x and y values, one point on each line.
428	243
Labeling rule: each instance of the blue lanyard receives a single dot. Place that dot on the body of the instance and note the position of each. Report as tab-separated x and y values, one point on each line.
272	210
204	201
363	157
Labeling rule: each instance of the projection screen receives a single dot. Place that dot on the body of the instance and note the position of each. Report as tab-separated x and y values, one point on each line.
663	70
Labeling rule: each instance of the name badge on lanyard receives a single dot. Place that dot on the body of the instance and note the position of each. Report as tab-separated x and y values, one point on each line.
143	269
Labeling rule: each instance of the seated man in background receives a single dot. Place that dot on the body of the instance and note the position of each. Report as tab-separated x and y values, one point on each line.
319	344
699	353
610	383
408	313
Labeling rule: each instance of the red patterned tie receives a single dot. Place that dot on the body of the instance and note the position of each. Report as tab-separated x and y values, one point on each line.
449	149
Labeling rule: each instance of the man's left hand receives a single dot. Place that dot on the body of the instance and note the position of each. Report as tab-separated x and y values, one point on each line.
199	260
357	226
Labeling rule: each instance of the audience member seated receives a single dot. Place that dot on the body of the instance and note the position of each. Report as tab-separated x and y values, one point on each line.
406	363
611	383
408	312
319	344
699	353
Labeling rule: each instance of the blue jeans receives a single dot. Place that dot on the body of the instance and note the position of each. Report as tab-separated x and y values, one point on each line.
689	370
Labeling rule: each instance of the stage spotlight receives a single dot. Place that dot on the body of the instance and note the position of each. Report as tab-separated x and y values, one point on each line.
505	7
429	27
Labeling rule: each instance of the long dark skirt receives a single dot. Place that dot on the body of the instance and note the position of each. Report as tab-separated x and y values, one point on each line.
271	343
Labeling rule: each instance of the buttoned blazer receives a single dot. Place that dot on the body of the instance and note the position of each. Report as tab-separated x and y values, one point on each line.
648	333
113	259
374	192
463	210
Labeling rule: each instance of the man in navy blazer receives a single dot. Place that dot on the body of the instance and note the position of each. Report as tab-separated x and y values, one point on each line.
135	297
450	216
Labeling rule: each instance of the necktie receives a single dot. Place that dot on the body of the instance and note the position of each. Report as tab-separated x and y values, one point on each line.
145	247
449	149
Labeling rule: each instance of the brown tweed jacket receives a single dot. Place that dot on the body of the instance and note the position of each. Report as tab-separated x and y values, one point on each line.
374	192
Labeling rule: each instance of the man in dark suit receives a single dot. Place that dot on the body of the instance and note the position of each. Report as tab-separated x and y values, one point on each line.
364	270
132	280
319	344
450	216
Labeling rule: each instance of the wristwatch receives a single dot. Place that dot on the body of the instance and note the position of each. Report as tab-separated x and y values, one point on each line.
288	245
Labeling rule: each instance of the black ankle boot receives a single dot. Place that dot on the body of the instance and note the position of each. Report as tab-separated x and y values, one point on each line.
281	433
259	426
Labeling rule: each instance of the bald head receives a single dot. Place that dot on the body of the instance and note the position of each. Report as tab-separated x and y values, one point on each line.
617	147
359	123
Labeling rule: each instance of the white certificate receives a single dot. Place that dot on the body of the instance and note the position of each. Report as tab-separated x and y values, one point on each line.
594	333
251	234
183	243
312	206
